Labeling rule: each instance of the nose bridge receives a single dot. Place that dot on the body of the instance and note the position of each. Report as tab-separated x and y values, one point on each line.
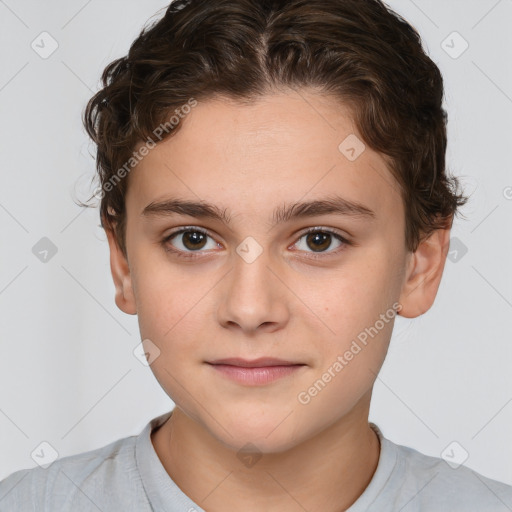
253	295
251	275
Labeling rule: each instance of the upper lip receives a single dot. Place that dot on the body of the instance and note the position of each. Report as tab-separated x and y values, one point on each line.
254	363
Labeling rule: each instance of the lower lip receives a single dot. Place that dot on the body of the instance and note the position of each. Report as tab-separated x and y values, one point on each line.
255	376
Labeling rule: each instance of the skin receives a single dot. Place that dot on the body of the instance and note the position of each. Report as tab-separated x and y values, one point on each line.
250	160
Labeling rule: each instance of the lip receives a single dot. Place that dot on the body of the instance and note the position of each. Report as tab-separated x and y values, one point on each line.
254	363
255	372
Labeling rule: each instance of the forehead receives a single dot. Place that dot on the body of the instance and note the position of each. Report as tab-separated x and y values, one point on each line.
248	158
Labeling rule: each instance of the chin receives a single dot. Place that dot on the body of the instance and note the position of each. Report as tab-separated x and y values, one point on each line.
247	439
267	431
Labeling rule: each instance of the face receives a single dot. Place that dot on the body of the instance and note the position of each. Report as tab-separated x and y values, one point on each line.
256	284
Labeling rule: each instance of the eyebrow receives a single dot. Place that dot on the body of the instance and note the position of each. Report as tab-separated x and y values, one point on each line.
201	209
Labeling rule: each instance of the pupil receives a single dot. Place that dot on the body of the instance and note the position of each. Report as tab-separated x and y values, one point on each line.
195	238
319	240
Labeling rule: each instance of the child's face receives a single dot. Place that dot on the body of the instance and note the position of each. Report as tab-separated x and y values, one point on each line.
282	303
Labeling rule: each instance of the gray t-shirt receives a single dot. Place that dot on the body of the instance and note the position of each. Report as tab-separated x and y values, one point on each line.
127	475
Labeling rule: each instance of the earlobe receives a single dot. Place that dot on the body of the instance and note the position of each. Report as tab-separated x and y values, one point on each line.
125	298
424	273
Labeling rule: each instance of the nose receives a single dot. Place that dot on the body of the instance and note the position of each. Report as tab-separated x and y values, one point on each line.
253	297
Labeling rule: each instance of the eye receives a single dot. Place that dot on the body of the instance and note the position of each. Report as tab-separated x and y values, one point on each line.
188	239
319	240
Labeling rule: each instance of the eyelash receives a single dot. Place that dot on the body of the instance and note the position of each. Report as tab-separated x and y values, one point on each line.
197	254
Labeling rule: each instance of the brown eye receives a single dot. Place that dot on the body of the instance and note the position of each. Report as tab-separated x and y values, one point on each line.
189	240
194	239
318	241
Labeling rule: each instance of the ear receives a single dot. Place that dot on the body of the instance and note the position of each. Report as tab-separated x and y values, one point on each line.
125	298
423	275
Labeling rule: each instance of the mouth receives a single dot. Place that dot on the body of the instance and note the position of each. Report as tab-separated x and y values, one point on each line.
256	372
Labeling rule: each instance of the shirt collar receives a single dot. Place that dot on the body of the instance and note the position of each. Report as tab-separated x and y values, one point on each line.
165	496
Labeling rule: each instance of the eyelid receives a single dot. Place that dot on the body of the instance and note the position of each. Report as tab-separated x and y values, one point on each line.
325	229
184	229
299	235
344	239
188	228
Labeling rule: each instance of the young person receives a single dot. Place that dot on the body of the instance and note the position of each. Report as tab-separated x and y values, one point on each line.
274	192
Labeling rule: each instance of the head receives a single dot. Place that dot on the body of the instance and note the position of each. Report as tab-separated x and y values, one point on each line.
229	130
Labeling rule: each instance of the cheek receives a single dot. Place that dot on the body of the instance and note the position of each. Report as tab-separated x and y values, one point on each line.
356	293
349	363
164	294
172	308
171	318
357	310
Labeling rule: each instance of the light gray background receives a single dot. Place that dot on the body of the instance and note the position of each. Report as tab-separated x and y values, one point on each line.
68	375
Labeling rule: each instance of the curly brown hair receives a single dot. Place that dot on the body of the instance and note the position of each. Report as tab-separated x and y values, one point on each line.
358	51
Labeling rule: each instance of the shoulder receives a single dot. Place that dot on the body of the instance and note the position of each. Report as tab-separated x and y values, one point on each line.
72	479
433	484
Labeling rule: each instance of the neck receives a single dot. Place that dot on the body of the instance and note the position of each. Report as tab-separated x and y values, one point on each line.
337	463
